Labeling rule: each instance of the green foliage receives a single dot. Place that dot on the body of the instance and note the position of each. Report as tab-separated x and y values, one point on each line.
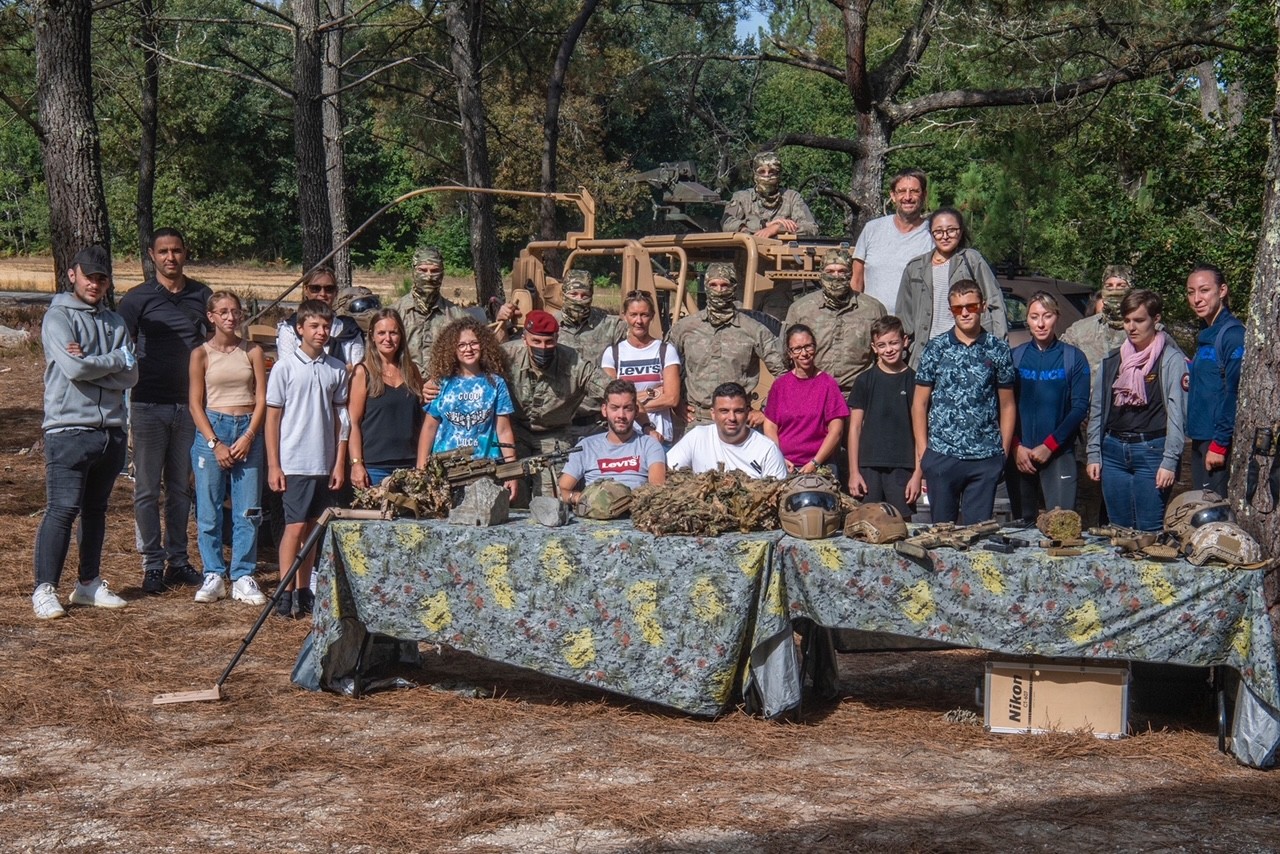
24	205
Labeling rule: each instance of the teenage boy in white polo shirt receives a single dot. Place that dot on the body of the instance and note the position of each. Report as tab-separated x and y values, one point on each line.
306	456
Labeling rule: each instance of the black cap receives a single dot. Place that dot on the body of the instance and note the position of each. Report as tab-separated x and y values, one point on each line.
93	261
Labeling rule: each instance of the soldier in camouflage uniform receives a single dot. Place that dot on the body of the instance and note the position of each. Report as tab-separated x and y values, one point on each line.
767	210
840	319
423	310
721	345
550	385
588	330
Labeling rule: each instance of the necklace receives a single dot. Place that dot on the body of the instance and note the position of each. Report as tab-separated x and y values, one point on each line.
225	350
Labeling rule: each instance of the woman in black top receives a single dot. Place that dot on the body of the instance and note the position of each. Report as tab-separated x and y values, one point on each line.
385	404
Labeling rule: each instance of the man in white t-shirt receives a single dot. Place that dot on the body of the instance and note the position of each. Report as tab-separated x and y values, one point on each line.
887	243
618	453
729	440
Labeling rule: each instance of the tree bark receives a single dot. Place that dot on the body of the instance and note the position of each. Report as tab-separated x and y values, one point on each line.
308	134
463	20
69	145
334	149
551	121
149	125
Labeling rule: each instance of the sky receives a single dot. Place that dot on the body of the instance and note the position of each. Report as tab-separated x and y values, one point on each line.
749	26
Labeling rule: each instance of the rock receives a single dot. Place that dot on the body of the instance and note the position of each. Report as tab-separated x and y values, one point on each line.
549	511
10	337
484	504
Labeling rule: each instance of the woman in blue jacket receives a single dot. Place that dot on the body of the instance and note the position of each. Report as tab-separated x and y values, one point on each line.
1215	379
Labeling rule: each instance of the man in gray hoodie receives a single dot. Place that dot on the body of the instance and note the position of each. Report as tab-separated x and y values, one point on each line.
89	365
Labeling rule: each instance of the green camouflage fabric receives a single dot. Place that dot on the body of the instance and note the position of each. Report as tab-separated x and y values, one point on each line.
746	211
593	337
421	329
664	621
1095	339
843	337
1097	605
731	353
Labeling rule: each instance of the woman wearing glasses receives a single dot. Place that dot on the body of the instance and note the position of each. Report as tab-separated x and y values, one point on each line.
473	408
806	413
922	297
385	404
346	341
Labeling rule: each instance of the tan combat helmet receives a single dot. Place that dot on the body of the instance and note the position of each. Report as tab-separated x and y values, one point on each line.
809	507
875	523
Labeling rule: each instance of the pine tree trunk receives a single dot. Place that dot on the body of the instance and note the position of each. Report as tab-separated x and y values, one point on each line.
334	151
69	143
867	186
308	135
149	120
551	119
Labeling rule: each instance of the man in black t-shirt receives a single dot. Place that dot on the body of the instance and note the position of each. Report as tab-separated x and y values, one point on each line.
166	315
882	456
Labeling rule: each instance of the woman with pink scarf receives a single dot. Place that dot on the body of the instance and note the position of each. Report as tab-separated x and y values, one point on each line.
1137	416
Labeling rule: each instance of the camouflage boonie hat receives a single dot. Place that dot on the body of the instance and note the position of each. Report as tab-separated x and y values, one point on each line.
766	158
875	523
578	280
1222	542
427	255
839	255
721	270
604	499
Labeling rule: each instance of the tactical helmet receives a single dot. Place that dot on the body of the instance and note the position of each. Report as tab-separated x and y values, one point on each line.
809	507
875	523
604	499
1222	542
1178	517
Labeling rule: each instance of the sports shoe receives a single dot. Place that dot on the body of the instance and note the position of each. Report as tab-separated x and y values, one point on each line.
213	589
153	580
96	594
306	603
284	606
184	576
245	589
45	603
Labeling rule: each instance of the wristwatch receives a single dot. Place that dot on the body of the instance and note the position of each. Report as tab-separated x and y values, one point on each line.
212	443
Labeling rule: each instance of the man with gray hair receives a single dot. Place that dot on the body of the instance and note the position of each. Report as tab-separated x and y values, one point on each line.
888	243
588	330
767	210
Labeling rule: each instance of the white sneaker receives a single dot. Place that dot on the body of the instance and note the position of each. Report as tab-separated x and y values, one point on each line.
213	589
45	602
95	593
245	589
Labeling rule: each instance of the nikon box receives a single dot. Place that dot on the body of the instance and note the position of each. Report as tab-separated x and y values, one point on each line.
1032	696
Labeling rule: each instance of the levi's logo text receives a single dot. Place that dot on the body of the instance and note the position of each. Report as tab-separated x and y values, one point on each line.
648	370
619	465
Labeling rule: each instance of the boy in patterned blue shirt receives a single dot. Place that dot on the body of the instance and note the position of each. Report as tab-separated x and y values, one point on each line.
963	414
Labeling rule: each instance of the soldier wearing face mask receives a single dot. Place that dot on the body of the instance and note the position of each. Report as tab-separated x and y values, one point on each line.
550	385
840	318
424	311
1099	334
588	330
767	210
722	345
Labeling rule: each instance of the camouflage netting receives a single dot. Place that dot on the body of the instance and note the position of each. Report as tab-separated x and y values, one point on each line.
1059	524
421	493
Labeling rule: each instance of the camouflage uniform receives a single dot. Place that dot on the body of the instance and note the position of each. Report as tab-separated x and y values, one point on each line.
748	212
421	328
593	337
843	337
719	354
1095	338
547	401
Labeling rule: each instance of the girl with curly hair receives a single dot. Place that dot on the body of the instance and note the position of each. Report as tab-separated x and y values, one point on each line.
385	405
473	409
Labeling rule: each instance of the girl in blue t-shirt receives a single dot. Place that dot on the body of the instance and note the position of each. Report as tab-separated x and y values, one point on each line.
473	409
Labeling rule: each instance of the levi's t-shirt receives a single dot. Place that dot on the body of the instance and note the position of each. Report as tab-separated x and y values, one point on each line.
643	367
627	463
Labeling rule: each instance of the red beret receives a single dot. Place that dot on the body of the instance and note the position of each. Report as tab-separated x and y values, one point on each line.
540	323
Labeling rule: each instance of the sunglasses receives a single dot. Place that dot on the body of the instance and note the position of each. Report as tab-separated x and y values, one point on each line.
322	289
966	308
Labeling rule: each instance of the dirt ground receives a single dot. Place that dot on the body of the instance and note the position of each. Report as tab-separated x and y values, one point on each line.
484	758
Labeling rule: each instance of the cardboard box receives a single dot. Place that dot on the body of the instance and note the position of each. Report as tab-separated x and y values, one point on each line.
1022	695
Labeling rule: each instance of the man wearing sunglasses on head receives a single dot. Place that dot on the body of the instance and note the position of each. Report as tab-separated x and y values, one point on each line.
963	413
346	341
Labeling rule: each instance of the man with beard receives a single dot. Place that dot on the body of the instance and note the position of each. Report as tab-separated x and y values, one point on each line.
720	344
729	441
888	243
767	210
619	453
841	319
588	330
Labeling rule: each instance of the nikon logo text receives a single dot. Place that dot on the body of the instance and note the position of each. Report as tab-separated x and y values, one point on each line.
1017	700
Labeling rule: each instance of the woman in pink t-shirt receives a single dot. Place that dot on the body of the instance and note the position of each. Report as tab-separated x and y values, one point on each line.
806	413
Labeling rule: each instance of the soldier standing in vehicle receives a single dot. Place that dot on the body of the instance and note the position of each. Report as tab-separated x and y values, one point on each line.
767	210
588	330
720	345
841	320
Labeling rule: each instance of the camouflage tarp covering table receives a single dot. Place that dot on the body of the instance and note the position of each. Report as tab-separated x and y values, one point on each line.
664	620
1097	605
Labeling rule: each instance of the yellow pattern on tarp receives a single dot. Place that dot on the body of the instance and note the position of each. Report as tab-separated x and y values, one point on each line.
1084	625
1157	581
410	536
751	558
495	560
643	597
579	648
988	572
721	684
436	615
775	597
706	601
556	564
828	555
917	602
1242	640
354	557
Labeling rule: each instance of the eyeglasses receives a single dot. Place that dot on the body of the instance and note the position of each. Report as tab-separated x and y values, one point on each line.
946	232
802	349
966	308
469	345
322	289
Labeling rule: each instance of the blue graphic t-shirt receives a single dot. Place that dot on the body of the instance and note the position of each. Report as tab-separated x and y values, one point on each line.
468	409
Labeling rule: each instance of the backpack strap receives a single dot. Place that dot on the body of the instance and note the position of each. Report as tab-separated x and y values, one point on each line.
1217	345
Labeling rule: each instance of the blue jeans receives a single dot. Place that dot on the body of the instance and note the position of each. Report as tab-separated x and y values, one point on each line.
80	469
162	436
246	497
1129	483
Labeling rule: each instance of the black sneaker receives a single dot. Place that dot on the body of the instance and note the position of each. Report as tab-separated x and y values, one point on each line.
153	580
284	605
183	576
306	603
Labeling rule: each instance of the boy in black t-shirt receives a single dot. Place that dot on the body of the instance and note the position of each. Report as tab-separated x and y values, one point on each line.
882	456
